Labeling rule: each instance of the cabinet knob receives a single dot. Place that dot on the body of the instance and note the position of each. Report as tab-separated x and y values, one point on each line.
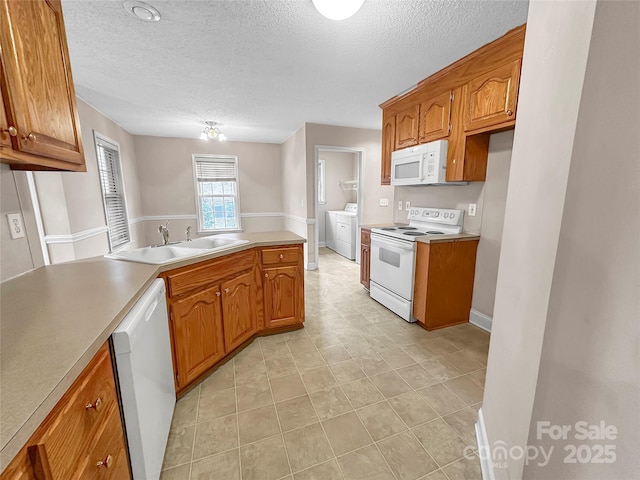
226	290
509	113
217	294
95	405
281	256
31	137
106	463
266	275
13	131
454	161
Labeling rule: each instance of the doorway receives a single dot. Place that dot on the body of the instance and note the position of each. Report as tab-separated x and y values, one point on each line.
338	180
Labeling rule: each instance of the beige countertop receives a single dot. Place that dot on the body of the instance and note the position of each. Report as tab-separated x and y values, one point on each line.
54	319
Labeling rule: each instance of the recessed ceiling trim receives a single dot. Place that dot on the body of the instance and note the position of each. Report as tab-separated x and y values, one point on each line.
142	11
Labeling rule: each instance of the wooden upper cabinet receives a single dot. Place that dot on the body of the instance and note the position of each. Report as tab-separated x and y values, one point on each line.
388	146
37	88
238	301
435	116
196	323
491	98
407	127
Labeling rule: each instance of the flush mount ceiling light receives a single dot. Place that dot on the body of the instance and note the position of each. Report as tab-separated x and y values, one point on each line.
337	9
212	132
142	11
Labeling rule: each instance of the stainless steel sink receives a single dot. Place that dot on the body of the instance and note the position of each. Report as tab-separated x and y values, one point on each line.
160	255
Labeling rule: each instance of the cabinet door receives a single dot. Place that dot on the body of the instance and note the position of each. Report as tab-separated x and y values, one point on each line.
238	300
282	294
197	332
38	89
407	127
388	146
491	98
5	138
434	118
365	261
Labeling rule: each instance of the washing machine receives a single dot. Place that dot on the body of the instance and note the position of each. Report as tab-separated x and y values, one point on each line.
341	229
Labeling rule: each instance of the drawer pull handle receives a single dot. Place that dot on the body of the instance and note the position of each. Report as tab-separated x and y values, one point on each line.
95	405
226	290
281	256
31	137
106	463
509	113
13	131
217	294
266	275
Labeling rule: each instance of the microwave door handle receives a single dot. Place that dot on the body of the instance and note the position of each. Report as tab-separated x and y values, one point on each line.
421	166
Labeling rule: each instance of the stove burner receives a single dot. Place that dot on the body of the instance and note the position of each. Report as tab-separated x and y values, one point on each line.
415	234
407	228
388	228
433	232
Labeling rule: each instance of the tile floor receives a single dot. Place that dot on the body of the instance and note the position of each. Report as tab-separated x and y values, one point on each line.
357	394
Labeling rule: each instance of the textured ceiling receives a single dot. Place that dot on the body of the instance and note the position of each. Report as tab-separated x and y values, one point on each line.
263	67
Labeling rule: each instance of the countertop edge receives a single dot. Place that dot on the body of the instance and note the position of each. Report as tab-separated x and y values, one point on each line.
13	446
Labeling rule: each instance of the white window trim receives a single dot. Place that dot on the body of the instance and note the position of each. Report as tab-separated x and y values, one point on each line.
100	138
321	178
197	197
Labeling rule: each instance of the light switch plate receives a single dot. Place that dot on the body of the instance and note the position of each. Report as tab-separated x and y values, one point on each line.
16	227
407	206
384	202
399	204
472	209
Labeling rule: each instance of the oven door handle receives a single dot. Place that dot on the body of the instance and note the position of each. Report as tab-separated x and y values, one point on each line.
379	239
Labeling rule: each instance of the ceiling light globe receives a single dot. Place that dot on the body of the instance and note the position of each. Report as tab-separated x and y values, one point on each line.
222	137
203	136
338	9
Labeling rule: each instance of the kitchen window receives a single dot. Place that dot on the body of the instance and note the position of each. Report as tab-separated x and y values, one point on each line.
113	196
217	197
321	188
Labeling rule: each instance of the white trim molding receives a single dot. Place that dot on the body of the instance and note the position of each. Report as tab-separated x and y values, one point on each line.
311	266
481	320
484	450
262	214
306	221
75	237
163	218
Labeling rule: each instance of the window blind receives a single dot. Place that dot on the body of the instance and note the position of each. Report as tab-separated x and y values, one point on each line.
112	193
217	192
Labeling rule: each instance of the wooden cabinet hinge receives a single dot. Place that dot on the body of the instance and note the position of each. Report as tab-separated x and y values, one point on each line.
452	96
171	316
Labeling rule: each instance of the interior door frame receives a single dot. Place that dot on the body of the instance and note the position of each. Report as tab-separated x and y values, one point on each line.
360	196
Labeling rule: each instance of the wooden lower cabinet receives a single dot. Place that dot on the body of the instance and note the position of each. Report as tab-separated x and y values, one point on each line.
198	339
365	257
443	286
219	305
82	437
238	307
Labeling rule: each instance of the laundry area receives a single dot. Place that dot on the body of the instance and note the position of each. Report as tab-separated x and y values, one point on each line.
338	173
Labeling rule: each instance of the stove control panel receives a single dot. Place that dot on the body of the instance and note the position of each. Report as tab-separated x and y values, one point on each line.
446	216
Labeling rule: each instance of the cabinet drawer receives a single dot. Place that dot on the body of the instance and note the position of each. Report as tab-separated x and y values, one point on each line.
79	416
365	236
275	256
108	459
189	278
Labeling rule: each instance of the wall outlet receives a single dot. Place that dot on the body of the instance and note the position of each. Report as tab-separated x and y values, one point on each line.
16	228
472	209
399	204
384	202
407	206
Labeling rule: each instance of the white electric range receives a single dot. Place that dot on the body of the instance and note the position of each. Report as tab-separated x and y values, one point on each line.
393	255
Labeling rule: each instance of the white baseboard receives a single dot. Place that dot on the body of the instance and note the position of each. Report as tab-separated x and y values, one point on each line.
486	465
322	244
480	320
311	266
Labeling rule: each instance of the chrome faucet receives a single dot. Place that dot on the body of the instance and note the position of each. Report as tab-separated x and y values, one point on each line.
165	233
188	233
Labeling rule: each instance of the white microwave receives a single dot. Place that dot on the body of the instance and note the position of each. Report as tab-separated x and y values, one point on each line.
424	164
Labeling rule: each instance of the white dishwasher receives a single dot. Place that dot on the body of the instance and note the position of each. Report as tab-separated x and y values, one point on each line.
145	373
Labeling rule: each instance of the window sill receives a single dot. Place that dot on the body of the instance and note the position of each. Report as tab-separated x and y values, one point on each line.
218	232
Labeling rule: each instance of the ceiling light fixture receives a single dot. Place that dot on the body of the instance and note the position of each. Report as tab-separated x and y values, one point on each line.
337	9
142	11
212	132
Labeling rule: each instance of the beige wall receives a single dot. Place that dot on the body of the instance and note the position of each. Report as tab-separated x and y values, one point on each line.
71	203
16	256
165	168
555	54
590	357
339	167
